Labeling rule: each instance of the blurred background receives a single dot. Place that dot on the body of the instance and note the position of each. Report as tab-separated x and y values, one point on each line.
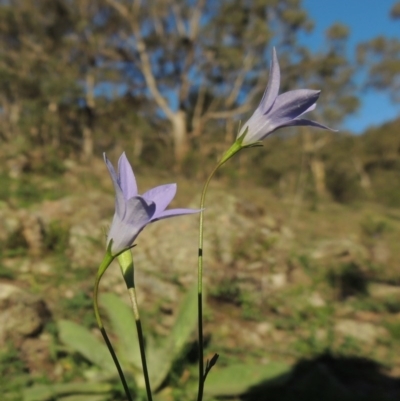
302	256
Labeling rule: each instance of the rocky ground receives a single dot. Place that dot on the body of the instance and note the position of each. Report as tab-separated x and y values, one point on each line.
314	288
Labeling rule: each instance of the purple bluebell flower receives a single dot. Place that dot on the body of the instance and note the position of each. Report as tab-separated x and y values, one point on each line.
133	211
277	111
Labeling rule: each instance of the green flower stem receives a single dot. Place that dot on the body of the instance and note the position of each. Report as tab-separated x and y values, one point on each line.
103	267
202	375
132	294
125	261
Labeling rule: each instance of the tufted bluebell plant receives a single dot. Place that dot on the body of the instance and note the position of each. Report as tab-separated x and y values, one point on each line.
274	111
132	213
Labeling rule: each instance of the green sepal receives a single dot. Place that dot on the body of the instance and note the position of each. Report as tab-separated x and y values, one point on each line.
108	258
254	145
241	138
236	146
125	261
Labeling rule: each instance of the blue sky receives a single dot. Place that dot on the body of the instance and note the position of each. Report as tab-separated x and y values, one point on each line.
366	20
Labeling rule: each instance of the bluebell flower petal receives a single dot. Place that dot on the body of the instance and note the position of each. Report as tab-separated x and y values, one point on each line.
304	122
122	234
173	213
277	111
139	211
126	177
132	211
293	104
119	197
274	82
161	196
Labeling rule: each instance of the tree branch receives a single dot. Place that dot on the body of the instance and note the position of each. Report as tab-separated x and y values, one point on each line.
247	64
145	64
194	25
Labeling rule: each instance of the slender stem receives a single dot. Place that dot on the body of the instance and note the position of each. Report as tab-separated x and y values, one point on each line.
132	294
104	264
236	147
200	286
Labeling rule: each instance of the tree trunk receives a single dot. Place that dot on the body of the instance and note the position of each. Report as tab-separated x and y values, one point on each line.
87	145
365	181
317	166
137	145
179	137
318	172
87	131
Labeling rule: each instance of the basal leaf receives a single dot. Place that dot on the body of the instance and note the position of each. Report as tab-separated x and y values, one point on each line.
162	357
44	392
239	378
83	341
124	327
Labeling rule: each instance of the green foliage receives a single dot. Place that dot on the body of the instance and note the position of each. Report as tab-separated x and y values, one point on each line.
68	392
373	227
348	279
343	184
390	304
395	11
5	187
27	192
56	237
381	57
80	306
29	189
239	379
123	324
227	290
394	330
13	373
5	272
15	244
79	339
59	109
161	357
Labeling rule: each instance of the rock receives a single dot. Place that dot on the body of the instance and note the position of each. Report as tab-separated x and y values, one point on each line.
345	247
287	233
32	231
21	314
87	224
277	280
17	165
9	221
380	252
362	331
264	328
316	300
84	238
35	352
377	290
170	249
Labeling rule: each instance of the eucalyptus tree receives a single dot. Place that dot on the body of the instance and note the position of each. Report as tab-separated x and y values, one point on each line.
49	70
330	71
381	58
199	60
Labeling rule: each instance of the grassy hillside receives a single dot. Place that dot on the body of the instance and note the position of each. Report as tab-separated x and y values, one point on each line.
292	279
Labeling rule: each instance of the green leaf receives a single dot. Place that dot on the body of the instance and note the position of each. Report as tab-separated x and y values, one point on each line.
123	323
162	358
86	397
44	392
239	378
84	342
